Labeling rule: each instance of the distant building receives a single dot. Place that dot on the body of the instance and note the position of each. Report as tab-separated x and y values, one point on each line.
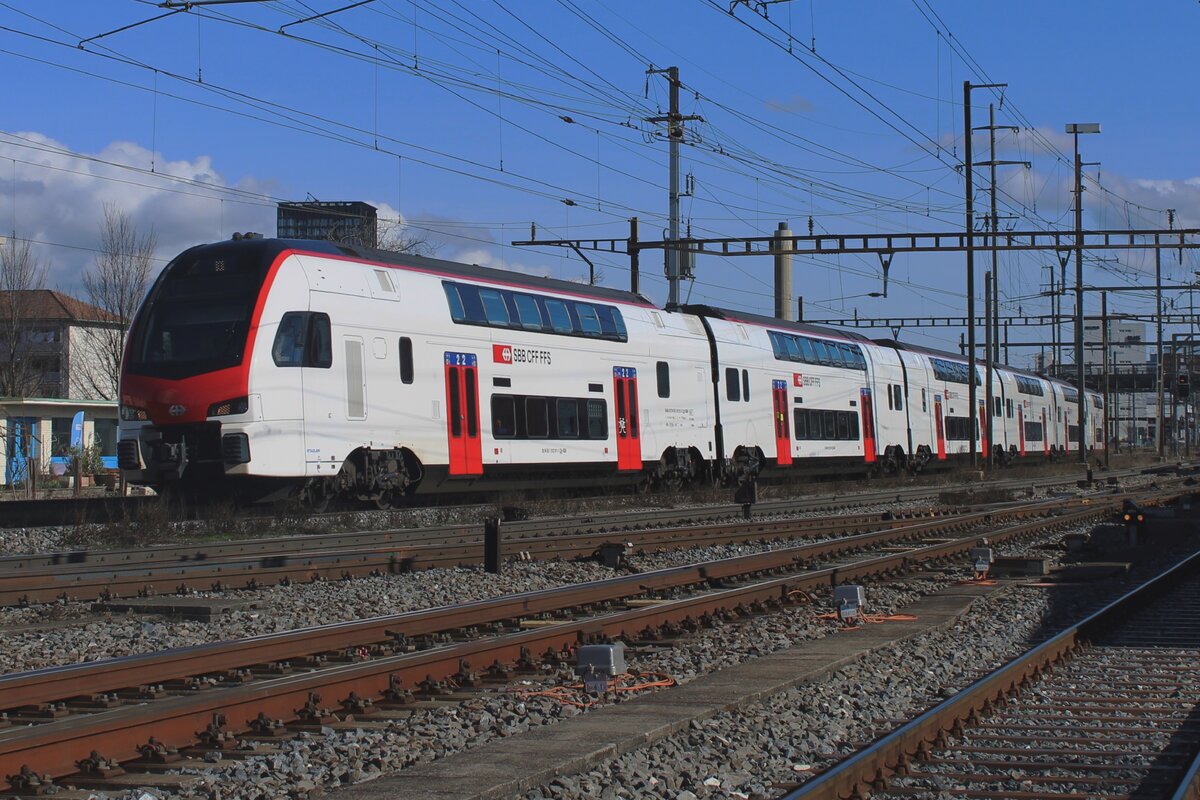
352	222
52	366
58	344
1126	343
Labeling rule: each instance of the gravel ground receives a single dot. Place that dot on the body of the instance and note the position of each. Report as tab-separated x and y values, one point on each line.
335	757
59	633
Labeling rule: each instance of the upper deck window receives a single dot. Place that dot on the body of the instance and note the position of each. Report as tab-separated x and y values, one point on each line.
952	371
1026	385
810	350
505	308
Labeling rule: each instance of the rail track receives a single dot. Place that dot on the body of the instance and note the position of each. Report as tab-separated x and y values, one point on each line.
1105	709
134	709
110	509
253	563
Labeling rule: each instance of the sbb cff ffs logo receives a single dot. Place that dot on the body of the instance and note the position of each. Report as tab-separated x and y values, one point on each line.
502	353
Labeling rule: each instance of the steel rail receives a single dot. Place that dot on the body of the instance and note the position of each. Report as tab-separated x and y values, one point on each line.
394	554
871	767
255	563
52	747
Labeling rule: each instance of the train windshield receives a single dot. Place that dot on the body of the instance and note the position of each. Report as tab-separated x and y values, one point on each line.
198	314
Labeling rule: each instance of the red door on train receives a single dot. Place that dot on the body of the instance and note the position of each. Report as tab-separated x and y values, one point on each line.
462	414
940	427
629	441
868	425
783	430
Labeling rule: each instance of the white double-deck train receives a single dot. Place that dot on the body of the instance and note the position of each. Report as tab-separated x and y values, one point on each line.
257	367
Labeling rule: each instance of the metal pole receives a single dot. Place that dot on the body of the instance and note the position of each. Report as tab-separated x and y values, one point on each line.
1079	301
634	255
968	170
994	305
1104	411
674	135
988	455
1158	422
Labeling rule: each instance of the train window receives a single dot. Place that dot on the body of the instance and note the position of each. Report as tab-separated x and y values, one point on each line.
622	425
791	348
800	420
319	349
835	355
288	349
807	354
528	313
589	322
619	324
504	416
821	353
597	419
1008	408
924	406
899	397
843	425
732	388
777	344
852	416
608	325
406	360
890	397
472	403
494	307
303	340
633	409
814	425
472	304
455	410
1033	431
664	379
746	385
537	418
568	419
829	424
457	312
560	318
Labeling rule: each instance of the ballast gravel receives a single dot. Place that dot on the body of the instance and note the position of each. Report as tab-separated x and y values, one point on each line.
815	725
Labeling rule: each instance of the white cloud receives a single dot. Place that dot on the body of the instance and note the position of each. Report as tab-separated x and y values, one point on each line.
58	198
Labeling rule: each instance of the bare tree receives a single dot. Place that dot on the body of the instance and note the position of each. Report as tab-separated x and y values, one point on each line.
117	284
20	274
400	238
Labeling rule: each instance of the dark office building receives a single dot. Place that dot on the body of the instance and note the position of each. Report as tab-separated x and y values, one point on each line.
349	222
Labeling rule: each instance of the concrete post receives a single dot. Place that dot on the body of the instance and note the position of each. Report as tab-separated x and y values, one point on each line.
783	272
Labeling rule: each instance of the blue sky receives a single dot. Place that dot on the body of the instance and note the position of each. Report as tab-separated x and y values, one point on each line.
449	117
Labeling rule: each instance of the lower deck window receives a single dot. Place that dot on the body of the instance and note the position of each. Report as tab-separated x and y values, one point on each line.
817	425
534	417
961	428
1033	431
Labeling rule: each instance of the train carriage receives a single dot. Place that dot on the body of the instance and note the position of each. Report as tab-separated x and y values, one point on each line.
270	368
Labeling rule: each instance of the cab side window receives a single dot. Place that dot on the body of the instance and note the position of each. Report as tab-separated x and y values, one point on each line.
303	340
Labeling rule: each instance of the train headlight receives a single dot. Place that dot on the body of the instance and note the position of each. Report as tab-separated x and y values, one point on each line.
238	405
134	414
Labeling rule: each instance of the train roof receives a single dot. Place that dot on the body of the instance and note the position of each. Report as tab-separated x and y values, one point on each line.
898	345
773	322
271	248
